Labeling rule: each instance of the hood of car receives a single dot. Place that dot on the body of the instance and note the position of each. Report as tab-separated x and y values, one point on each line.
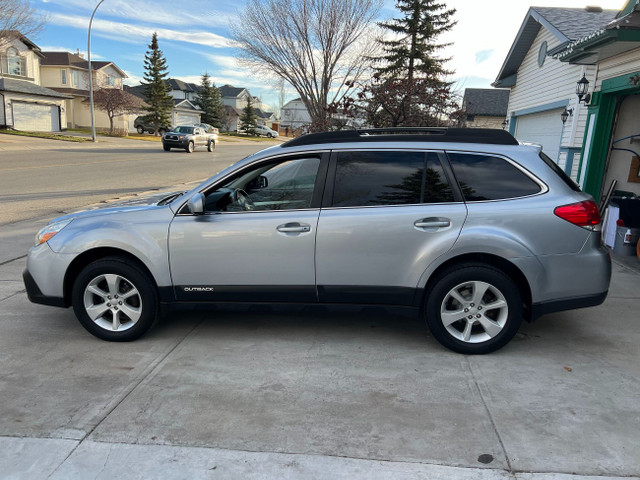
132	204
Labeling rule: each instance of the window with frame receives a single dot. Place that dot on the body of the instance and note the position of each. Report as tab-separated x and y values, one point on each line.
376	178
286	185
74	78
487	177
13	64
63	74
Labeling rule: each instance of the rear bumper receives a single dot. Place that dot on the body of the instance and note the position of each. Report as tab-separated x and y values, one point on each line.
35	294
543	308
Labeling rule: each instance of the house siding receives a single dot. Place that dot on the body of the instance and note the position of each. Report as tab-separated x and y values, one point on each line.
623	64
551	84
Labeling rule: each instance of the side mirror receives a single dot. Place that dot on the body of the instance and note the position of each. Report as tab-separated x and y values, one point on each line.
258	183
196	204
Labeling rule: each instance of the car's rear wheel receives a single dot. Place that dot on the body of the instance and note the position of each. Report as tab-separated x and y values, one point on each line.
140	130
211	146
190	147
473	308
115	300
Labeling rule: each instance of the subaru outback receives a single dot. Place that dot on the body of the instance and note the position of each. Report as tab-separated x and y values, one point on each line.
470	228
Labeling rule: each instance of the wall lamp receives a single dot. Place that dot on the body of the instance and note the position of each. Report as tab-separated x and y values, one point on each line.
505	123
566	114
582	90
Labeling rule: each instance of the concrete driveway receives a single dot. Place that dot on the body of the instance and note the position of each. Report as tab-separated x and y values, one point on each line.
308	393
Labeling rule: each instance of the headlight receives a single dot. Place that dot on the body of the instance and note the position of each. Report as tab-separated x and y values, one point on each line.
47	233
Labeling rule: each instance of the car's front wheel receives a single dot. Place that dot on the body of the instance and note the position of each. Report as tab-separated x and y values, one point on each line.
166	148
140	130
190	147
473	308
115	300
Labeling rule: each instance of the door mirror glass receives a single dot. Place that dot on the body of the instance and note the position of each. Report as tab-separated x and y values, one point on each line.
196	204
258	183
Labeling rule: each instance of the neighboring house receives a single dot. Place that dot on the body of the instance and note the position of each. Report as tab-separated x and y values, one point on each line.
182	90
184	111
485	107
68	73
24	103
542	86
294	115
234	100
611	149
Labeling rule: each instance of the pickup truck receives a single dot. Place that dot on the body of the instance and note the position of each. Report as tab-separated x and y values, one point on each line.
188	137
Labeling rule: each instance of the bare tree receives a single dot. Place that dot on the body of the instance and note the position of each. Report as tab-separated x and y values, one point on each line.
17	16
116	102
312	44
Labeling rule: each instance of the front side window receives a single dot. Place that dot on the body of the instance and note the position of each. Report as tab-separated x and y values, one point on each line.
486	177
370	178
286	185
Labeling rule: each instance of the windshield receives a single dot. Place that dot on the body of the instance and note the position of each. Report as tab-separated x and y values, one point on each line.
184	130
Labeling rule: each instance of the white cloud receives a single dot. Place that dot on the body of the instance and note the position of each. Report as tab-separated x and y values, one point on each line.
124	31
131	80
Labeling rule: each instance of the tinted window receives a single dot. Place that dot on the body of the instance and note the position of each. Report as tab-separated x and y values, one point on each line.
389	178
565	178
283	186
485	177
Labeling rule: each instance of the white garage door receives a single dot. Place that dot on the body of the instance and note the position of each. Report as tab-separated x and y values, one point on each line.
36	118
186	119
542	128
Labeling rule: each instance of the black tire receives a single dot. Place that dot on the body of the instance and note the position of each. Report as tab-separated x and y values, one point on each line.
485	329
211	146
190	147
166	149
140	130
133	289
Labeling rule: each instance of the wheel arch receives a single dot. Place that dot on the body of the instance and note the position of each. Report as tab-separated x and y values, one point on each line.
90	256
501	263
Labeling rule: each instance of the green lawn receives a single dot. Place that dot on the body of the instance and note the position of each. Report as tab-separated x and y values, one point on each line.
50	136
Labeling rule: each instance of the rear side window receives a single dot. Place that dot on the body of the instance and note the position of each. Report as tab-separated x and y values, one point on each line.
485	177
565	178
389	178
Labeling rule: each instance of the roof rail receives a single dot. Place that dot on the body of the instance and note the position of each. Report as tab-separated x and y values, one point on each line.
408	134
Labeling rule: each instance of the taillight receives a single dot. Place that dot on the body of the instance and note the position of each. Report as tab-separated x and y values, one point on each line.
583	214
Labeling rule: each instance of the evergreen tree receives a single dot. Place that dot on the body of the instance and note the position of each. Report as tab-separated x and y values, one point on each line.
156	90
248	117
409	88
413	54
210	102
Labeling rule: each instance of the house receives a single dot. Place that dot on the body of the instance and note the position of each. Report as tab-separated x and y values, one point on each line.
485	107
543	87
68	73
611	147
234	100
24	103
184	111
294	115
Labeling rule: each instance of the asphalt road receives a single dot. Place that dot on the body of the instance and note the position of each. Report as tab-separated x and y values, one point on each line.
55	177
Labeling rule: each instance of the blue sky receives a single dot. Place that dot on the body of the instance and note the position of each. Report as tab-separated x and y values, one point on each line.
194	36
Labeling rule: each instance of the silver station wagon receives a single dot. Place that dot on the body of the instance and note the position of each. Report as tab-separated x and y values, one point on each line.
472	229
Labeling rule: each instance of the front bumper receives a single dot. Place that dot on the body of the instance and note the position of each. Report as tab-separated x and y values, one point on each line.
175	143
35	294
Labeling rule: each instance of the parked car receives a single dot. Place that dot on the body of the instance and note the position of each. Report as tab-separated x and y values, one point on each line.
143	124
266	131
466	226
188	138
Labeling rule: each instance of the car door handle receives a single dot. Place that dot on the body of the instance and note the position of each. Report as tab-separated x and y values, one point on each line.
294	228
432	223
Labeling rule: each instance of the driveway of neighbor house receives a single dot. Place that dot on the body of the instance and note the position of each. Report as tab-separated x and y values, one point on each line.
304	392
